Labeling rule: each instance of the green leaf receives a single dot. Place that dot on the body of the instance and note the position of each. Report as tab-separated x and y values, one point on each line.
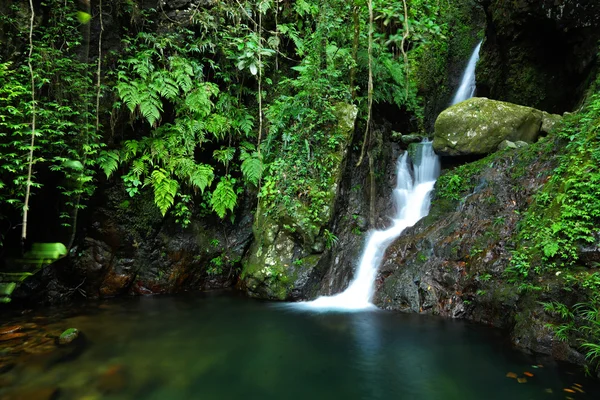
165	190
224	197
252	168
202	177
109	162
83	17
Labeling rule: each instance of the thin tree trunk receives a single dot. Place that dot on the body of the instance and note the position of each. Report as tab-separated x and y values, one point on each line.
355	43
370	87
404	37
30	158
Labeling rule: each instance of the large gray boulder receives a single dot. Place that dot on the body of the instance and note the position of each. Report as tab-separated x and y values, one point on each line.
478	125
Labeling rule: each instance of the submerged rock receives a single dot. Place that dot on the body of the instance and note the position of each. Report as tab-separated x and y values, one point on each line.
68	336
478	126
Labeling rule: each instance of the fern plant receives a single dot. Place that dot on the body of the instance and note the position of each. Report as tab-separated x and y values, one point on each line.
150	81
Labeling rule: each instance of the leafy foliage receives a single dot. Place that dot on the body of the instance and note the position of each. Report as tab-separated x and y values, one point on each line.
562	220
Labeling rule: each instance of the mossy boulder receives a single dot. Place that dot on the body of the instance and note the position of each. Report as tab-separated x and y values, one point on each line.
289	242
68	336
479	125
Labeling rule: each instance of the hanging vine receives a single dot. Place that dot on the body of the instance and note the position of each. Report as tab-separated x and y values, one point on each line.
31	147
370	85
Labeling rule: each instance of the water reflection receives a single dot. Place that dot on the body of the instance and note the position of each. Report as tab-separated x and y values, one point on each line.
223	347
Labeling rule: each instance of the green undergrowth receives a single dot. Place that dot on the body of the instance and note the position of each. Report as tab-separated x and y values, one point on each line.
560	225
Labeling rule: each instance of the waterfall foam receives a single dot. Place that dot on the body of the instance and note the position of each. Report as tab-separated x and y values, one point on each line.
466	90
412	200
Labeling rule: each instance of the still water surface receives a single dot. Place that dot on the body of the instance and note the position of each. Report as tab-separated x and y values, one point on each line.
229	347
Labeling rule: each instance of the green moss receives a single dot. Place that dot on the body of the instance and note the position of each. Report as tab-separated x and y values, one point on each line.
68	336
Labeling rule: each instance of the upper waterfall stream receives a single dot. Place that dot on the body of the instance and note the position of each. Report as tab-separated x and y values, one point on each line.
466	90
412	200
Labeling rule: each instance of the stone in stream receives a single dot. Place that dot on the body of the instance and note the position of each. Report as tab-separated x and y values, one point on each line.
68	336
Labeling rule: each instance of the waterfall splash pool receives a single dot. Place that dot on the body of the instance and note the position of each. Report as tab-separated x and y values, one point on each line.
222	346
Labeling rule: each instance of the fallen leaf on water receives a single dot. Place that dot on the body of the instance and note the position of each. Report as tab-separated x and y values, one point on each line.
578	385
522	380
569	398
549	391
578	389
568	390
529	374
511	375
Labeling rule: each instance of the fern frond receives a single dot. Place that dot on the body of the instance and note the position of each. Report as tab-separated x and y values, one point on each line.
252	168
218	125
165	190
109	162
169	89
139	167
150	106
224	155
130	148
202	177
198	102
223	198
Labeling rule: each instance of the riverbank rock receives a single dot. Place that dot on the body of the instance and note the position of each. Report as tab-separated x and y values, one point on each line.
479	125
452	263
289	243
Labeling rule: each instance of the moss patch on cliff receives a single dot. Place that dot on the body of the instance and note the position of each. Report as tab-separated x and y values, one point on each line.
559	235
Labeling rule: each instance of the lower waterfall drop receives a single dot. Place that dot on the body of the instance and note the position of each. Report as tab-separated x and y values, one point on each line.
412	201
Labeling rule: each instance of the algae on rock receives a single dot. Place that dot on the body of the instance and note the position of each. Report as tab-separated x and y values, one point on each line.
287	245
479	125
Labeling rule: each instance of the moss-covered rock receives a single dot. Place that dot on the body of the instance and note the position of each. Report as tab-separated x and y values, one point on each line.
479	126
68	336
454	262
287	246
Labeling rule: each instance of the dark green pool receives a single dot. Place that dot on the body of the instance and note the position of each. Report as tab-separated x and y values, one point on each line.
229	347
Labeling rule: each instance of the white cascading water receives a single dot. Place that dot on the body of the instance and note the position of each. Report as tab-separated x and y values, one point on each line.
466	90
412	200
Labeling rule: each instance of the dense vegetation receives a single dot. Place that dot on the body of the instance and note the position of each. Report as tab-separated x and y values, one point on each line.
560	228
231	98
555	239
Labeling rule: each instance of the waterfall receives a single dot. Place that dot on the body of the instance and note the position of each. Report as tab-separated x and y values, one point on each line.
466	90
412	200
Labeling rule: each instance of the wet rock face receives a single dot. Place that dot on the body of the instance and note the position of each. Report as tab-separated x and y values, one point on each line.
539	53
478	126
447	262
287	248
452	262
130	249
